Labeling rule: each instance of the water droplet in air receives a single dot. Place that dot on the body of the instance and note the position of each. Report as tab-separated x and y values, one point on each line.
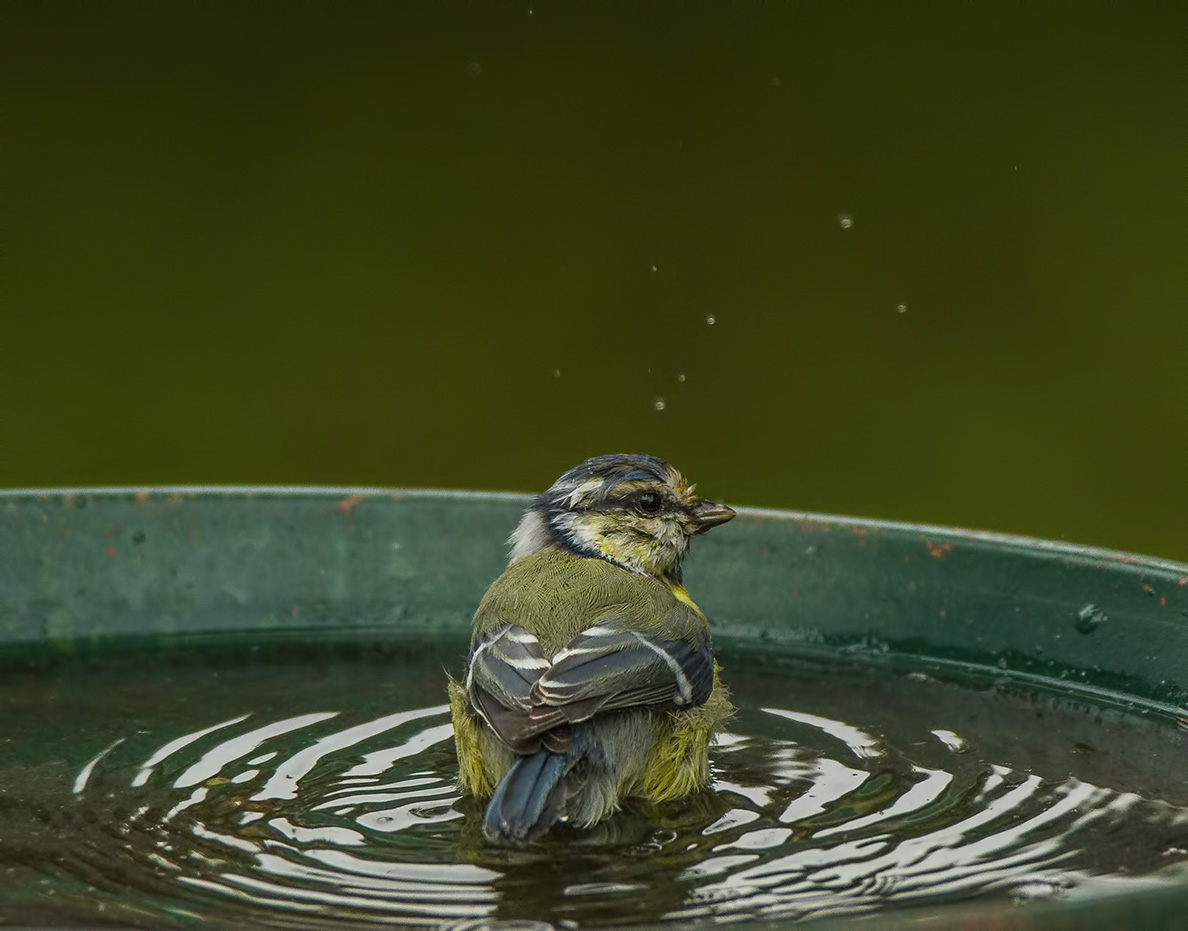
711	320
901	308
681	377
556	373
845	220
475	69
1089	618
659	405
653	268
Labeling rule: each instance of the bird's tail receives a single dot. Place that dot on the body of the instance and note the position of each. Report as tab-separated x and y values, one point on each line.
529	798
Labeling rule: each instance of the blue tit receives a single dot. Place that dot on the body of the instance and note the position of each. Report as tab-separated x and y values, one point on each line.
591	676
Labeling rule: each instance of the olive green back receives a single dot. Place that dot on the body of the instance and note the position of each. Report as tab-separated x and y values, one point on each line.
556	595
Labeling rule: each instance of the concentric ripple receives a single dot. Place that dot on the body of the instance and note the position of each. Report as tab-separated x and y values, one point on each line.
852	793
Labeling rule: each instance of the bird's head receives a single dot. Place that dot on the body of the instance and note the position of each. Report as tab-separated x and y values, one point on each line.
635	511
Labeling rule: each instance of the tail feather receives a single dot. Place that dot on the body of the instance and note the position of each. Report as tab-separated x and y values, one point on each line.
529	798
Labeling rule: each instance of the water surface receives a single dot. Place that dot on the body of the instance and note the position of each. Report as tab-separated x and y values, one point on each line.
316	788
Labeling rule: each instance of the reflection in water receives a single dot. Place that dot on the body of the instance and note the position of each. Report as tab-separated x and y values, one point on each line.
323	818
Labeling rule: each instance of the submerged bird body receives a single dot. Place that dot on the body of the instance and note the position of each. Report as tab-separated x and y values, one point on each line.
591	677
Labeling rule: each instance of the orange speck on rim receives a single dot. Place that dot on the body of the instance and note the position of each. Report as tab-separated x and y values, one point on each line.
938	550
347	504
142	496
1184	580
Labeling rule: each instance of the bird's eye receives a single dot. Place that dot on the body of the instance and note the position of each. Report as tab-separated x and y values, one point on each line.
649	503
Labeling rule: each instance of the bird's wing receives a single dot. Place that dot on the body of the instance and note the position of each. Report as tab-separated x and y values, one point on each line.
503	668
523	696
616	668
507	664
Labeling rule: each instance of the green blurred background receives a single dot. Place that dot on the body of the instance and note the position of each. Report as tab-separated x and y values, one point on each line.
356	244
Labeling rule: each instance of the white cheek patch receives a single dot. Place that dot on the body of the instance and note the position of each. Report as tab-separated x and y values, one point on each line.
579	532
671	536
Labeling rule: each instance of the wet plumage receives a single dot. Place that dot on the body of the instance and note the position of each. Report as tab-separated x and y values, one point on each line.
591	677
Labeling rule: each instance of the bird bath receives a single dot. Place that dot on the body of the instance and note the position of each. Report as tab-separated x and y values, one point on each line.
226	706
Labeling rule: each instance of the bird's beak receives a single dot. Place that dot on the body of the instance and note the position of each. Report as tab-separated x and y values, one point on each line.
709	514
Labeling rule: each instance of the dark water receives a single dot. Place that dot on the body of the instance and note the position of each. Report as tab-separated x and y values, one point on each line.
279	789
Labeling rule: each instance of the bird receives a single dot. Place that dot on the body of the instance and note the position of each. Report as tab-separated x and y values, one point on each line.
591	677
